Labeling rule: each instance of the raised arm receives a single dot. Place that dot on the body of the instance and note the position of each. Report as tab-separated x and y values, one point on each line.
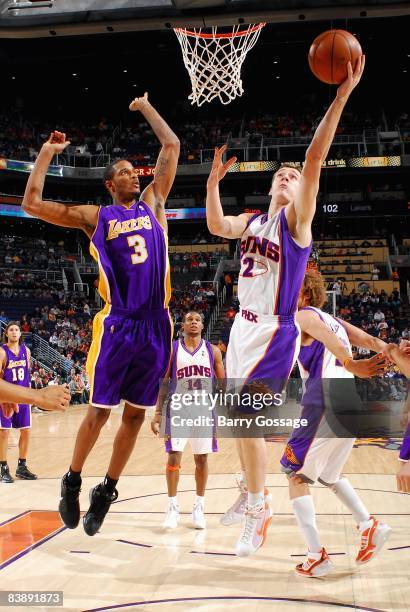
312	325
81	216
300	213
219	224
156	193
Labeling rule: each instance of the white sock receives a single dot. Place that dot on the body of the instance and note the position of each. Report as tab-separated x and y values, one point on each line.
256	498
200	500
173	500
305	514
348	496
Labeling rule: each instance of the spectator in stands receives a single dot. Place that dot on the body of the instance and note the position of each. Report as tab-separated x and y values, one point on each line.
378	316
375	273
395	275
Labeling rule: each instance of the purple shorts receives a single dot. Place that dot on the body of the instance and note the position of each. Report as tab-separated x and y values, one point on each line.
19	420
128	357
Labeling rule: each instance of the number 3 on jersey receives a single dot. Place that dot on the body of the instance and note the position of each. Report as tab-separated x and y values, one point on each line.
137	242
18	374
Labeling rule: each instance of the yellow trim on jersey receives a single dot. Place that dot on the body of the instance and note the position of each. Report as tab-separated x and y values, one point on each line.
103	284
167	279
94	352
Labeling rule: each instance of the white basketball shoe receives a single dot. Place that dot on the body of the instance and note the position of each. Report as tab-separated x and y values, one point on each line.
198	517
236	512
253	536
172	516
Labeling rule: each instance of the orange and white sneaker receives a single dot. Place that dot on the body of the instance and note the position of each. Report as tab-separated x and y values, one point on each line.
253	536
236	512
315	565
373	539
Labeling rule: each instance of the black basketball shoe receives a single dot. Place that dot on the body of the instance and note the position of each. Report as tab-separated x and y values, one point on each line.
69	506
23	472
100	502
5	475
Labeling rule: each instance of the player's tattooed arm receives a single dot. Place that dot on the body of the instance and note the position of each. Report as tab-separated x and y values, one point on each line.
218	223
81	216
162	397
156	194
305	201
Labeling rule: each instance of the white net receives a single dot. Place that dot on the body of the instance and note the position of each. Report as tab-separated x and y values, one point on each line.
214	60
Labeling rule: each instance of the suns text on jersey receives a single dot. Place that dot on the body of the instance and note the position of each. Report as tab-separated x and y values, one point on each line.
194	370
262	246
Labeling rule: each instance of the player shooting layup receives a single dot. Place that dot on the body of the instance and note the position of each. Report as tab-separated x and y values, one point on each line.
275	247
132	335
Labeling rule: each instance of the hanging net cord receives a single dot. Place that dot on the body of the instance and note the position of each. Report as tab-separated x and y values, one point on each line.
214	61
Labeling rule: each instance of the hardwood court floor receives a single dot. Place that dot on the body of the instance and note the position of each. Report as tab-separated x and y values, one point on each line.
134	561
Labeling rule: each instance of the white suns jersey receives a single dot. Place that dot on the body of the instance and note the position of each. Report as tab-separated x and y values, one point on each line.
193	370
315	360
272	266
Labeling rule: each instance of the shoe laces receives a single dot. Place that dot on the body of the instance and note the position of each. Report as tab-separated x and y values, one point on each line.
249	528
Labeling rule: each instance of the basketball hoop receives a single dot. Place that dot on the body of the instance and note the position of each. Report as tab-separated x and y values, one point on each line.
214	60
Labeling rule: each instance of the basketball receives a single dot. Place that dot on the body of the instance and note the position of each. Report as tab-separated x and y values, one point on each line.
330	53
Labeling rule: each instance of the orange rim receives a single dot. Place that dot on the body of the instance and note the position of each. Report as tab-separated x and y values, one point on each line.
194	34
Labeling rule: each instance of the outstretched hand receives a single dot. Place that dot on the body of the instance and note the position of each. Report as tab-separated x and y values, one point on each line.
219	169
139	103
353	78
56	143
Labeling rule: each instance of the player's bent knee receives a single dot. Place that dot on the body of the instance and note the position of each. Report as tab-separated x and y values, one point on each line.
98	416
201	461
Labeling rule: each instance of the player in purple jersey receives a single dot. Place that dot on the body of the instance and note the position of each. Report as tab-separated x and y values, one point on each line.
132	335
400	355
15	369
194	366
264	339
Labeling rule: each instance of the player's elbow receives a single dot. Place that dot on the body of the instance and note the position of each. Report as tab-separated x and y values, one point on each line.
314	155
214	227
173	144
31	204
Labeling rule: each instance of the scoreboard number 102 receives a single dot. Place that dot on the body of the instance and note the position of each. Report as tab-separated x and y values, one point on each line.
330	208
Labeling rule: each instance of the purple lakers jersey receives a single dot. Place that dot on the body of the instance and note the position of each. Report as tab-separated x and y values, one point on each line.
272	266
17	368
130	247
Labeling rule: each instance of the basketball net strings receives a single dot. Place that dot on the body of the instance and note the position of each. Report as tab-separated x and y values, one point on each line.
214	65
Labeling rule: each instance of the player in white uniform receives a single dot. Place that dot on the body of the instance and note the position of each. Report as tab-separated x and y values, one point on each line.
318	454
195	364
275	247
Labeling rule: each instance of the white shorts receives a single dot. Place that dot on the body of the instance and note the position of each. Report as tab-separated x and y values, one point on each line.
325	459
200	446
262	347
